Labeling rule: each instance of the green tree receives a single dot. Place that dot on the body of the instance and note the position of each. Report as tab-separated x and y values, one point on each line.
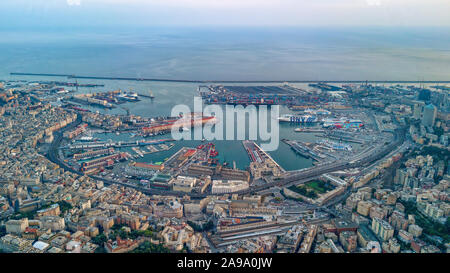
100	239
64	206
200	228
148	247
2	231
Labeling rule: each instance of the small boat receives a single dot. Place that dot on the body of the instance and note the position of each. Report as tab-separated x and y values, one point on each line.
87	139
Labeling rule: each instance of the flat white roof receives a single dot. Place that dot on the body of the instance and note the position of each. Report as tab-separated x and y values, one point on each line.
40	245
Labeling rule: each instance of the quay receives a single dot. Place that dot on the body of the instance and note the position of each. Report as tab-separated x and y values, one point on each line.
119	144
258	155
346	139
306	130
302	150
91	101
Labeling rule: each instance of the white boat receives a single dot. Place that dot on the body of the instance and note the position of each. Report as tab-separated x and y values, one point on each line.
128	96
86	139
285	118
298	118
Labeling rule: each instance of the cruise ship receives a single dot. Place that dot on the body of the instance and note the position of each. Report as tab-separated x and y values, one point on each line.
128	96
298	119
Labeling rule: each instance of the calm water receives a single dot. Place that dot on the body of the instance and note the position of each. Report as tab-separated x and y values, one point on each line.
226	54
232	53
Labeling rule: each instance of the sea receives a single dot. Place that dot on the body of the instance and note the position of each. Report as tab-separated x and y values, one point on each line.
223	54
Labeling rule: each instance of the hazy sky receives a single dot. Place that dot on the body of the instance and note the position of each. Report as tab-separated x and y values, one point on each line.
224	12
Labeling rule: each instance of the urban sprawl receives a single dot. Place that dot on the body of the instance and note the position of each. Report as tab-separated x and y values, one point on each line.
379	182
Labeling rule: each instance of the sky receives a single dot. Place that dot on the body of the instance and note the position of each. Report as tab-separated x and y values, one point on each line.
224	13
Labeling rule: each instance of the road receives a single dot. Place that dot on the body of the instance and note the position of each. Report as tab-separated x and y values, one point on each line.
305	175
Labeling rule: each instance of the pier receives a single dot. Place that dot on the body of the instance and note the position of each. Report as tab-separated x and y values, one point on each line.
302	150
258	155
306	130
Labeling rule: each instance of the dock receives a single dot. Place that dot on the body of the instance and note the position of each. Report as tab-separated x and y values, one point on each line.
307	130
302	150
346	139
256	154
119	144
163	147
